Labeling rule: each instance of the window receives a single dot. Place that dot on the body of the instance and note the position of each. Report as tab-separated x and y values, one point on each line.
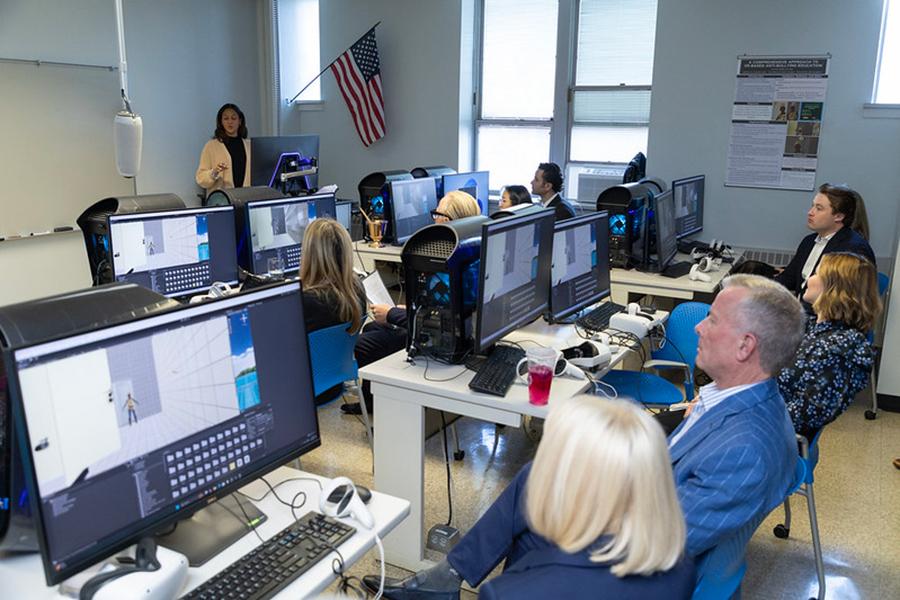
298	48
600	116
887	82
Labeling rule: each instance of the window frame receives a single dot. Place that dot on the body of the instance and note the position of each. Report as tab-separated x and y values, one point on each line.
562	122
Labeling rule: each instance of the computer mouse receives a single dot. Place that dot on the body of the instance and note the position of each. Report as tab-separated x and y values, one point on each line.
365	494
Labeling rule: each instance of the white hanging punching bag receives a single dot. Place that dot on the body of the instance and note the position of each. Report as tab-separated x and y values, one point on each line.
127	132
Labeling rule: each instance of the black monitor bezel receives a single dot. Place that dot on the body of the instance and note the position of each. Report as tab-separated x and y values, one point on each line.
410	182
685	181
487	192
248	255
172	212
660	264
487	229
598	295
147	527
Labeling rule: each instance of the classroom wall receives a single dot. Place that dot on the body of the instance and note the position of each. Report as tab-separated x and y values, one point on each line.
697	44
419	46
184	60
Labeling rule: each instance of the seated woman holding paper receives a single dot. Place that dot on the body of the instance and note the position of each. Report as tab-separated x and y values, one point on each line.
332	293
387	334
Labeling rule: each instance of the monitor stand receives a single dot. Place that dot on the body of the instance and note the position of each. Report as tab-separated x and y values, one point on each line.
212	529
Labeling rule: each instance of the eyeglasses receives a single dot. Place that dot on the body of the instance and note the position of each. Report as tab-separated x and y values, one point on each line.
436	213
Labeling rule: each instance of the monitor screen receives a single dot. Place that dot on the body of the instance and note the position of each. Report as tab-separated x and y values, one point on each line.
664	218
272	154
475	184
132	427
688	204
514	276
344	214
174	252
276	229
412	201
579	275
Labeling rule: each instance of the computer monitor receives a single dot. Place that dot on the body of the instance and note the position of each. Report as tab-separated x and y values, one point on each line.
475	184
579	275
275	230
343	212
277	155
132	427
174	252
664	219
412	201
688	195
514	275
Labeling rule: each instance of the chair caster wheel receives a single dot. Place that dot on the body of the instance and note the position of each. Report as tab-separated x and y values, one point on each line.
459	455
870	415
781	532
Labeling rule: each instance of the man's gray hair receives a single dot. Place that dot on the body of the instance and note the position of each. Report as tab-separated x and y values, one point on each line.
773	315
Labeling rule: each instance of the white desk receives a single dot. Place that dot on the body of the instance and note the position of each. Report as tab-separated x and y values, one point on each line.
364	256
631	281
401	394
21	576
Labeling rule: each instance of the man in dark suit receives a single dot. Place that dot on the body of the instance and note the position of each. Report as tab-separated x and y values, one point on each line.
547	184
836	215
733	457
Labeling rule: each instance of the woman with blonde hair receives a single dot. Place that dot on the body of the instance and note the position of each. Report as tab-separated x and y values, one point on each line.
835	359
595	514
455	205
332	293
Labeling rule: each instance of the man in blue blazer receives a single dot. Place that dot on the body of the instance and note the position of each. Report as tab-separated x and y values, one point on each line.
733	457
836	213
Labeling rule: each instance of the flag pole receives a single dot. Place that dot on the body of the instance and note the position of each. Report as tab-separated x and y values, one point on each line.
328	66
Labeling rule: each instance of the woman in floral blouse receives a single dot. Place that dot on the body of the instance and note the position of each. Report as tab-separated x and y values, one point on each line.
834	360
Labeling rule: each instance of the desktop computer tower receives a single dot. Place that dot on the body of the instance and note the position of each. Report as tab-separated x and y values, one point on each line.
373	191
441	273
37	320
93	224
627	205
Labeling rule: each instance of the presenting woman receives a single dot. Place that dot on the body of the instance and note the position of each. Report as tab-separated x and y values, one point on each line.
225	159
834	360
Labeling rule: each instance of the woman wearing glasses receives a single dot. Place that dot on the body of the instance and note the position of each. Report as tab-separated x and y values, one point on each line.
387	334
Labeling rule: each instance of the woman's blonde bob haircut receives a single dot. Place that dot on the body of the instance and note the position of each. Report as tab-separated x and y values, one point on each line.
458	205
326	267
849	290
603	469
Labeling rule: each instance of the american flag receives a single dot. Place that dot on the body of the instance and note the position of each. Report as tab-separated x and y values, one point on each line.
358	74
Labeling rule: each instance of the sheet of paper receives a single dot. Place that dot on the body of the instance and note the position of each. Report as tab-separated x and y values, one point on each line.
375	290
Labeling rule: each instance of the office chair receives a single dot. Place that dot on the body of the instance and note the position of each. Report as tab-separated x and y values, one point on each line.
679	352
883	283
803	485
721	569
331	355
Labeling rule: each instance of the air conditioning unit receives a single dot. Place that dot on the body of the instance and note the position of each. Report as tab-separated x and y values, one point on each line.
592	182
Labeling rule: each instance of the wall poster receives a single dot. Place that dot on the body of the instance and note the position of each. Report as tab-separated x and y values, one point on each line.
776	121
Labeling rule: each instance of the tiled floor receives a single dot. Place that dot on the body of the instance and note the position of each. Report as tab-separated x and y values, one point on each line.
857	496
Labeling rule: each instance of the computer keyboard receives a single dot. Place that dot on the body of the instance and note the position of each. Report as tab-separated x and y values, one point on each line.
275	564
497	373
598	319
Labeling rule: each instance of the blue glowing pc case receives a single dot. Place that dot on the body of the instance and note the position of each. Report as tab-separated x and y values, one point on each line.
441	269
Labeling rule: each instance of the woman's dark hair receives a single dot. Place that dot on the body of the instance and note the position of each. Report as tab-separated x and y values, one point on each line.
552	175
220	131
849	203
518	194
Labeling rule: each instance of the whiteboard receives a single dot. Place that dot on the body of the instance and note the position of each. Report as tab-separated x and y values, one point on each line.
58	156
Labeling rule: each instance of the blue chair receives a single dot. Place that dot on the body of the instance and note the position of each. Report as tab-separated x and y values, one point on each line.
679	352
883	283
331	356
721	568
803	485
